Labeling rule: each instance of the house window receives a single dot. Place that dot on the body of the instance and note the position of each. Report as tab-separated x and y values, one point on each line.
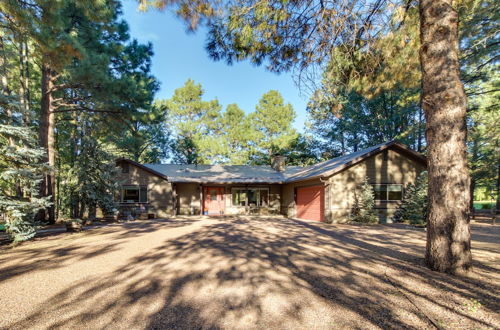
134	194
213	195
239	197
388	192
257	197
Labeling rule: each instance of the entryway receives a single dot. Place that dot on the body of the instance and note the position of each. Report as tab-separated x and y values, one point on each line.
213	202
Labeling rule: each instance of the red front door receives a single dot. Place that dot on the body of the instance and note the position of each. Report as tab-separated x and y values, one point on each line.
214	200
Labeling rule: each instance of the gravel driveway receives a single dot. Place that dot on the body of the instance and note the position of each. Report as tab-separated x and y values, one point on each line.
243	273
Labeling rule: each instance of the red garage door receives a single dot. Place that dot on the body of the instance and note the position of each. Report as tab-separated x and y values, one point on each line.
310	203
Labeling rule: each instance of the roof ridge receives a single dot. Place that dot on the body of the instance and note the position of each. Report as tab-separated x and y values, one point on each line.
156	164
202	164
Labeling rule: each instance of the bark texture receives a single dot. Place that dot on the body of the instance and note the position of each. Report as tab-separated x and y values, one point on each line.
444	104
47	140
498	188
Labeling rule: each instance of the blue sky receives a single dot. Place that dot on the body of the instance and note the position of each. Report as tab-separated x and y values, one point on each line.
180	56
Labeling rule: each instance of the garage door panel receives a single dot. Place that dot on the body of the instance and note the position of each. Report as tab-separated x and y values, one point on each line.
310	203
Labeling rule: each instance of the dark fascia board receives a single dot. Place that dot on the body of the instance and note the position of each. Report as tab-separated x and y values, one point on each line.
391	144
142	167
229	182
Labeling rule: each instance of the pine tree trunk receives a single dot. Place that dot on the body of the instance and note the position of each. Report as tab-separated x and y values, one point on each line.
3	70
92	211
4	85
444	104
27	75
474	159
471	192
81	210
24	81
420	135
498	187
47	141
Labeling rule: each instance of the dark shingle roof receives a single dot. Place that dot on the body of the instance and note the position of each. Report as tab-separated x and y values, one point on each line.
221	173
266	174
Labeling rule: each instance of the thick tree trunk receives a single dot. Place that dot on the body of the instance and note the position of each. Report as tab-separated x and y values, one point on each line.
47	141
444	104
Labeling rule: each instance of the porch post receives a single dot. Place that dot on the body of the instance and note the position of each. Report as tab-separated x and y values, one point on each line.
174	197
247	208
202	202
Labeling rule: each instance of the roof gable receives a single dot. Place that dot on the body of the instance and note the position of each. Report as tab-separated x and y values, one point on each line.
142	167
338	164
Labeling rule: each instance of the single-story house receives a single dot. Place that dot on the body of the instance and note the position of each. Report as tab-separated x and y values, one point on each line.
325	191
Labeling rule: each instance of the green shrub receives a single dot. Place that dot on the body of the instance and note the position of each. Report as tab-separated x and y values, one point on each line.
363	206
484	205
413	208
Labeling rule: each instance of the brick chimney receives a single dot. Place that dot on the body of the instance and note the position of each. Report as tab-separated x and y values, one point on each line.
278	162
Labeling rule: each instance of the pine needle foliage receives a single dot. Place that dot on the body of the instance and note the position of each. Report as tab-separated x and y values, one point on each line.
90	183
21	171
364	205
413	208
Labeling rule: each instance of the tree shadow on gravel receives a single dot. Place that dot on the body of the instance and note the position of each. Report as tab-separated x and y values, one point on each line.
31	256
273	273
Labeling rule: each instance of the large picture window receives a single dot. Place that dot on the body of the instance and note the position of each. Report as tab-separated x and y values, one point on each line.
388	192
256	197
134	194
239	197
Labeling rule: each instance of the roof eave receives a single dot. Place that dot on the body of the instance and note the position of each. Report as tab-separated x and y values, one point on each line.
226	182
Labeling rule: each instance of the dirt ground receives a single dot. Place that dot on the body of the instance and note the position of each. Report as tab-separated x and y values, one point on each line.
244	273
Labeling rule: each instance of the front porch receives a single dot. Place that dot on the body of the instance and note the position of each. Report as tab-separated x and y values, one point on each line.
226	199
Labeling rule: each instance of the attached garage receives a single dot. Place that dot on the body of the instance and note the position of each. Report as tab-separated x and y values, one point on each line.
311	203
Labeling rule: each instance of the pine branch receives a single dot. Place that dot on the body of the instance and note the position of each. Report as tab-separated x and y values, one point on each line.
77	107
483	92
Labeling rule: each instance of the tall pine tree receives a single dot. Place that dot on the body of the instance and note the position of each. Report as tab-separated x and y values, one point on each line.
272	121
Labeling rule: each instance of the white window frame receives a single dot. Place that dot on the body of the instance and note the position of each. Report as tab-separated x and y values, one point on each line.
387	191
134	187
233	189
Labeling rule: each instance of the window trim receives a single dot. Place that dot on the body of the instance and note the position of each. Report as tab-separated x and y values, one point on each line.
387	192
135	187
233	189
